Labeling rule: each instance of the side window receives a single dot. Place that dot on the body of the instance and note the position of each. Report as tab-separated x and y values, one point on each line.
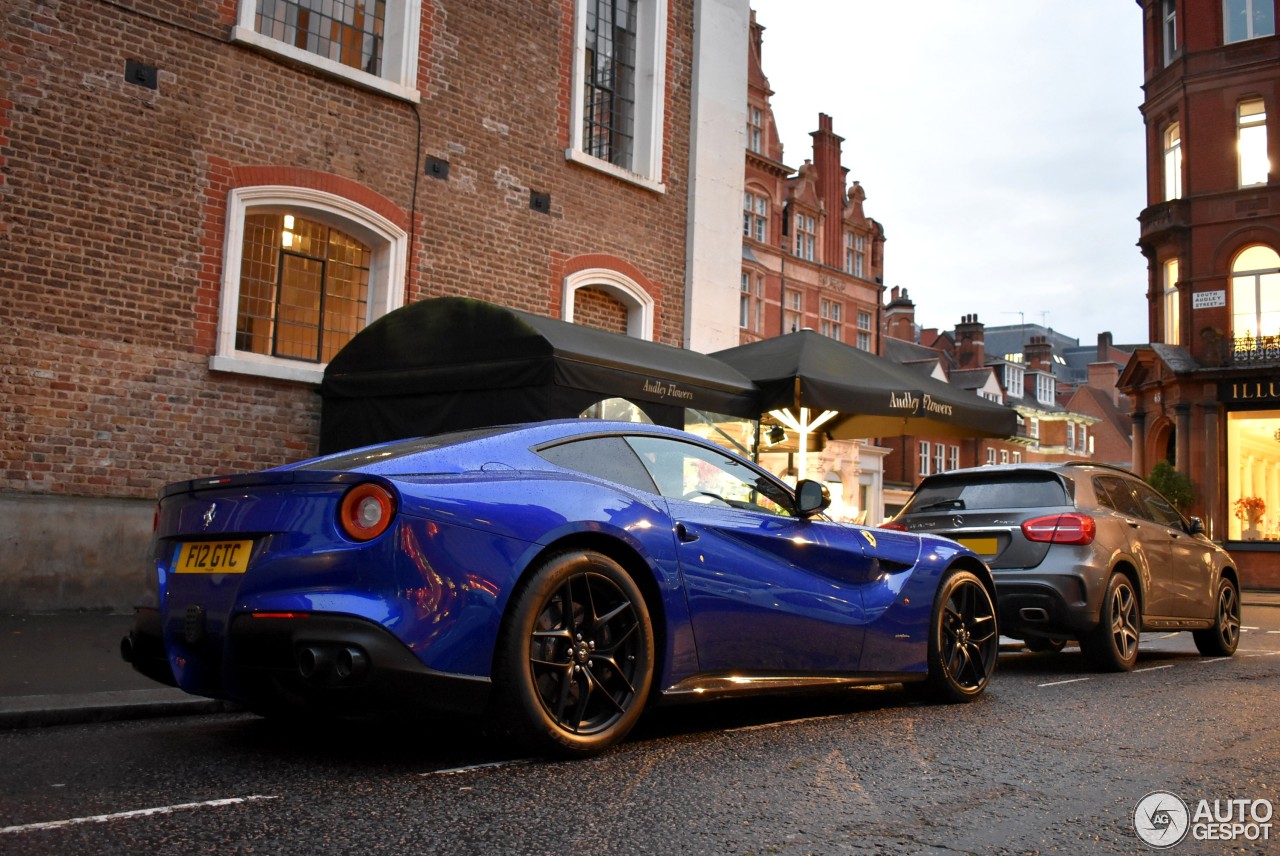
1115	493
1156	507
609	458
689	472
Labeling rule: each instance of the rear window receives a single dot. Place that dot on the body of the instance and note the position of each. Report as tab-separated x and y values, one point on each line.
381	454
1017	490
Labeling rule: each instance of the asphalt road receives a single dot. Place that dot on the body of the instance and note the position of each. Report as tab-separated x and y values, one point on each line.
1053	760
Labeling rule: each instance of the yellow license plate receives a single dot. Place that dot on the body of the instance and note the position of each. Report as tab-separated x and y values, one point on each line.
214	557
981	546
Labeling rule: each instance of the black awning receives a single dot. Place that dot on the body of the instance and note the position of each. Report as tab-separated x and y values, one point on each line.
874	397
452	363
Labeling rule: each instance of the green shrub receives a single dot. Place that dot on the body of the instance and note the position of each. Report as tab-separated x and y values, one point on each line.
1173	484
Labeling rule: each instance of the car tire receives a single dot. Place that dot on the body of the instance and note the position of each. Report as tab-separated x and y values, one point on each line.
574	662
1112	646
964	641
1222	639
1045	644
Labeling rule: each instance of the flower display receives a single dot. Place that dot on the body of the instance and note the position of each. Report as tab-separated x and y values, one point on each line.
1250	507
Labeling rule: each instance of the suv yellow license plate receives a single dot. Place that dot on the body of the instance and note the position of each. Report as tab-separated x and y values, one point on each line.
214	557
981	546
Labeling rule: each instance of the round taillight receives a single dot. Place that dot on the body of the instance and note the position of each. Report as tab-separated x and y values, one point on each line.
366	511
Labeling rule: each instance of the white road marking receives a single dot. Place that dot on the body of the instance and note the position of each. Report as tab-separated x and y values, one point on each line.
1273	632
765	725
1247	627
1154	668
126	815
1060	683
457	771
1215	660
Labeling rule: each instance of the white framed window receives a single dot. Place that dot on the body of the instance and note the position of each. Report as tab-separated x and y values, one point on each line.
1173	162
755	130
924	457
806	237
751	304
1251	142
1004	456
1171	303
1255	296
1247	19
755	216
1071	436
953	457
1017	457
1169	13
638	302
619	86
1083	440
991	457
830	312
939	457
1033	428
794	318
848	251
1046	388
859	256
303	271
373	43
863	339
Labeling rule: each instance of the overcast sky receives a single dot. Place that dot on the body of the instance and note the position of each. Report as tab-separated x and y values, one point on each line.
999	143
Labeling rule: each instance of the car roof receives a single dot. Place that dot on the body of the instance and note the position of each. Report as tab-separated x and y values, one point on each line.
1037	466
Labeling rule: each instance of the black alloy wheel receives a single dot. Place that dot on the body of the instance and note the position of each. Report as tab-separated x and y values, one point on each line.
964	641
1222	639
1112	646
575	664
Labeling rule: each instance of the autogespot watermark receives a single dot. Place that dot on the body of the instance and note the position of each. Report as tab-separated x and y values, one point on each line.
1163	819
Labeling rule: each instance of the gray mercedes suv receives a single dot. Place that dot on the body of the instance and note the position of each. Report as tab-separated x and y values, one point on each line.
1084	551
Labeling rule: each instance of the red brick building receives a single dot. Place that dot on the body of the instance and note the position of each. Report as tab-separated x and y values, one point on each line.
811	258
1206	393
201	201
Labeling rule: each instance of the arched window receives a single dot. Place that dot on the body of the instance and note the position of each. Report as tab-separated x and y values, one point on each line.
1173	162
1171	306
628	292
1255	295
303	272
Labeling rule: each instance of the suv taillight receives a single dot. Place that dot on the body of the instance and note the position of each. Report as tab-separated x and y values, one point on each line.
1061	529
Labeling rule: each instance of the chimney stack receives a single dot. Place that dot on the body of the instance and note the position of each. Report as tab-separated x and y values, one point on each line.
971	348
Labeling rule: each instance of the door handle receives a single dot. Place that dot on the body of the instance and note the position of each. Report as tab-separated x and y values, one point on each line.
684	534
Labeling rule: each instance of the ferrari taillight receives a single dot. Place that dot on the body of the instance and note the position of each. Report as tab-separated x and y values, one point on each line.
1067	528
366	511
891	524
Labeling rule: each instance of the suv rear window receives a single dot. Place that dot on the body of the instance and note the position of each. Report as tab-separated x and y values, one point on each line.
1004	490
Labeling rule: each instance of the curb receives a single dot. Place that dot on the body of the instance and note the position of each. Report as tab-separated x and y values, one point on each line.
40	710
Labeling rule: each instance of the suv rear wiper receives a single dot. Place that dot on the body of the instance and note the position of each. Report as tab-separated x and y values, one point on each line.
942	503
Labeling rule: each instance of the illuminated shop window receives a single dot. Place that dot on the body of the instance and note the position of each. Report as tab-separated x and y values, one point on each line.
1253	475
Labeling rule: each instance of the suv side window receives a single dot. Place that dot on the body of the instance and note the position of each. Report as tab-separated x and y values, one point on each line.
1115	493
1156	507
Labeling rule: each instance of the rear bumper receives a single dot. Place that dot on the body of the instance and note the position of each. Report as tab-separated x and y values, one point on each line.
1049	606
322	662
339	664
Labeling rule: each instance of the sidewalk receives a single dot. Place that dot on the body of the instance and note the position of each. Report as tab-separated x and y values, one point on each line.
65	667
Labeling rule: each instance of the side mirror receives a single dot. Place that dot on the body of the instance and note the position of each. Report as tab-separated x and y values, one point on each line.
1196	527
812	497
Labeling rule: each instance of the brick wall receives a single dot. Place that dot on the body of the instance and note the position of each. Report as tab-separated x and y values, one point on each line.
114	203
113	216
